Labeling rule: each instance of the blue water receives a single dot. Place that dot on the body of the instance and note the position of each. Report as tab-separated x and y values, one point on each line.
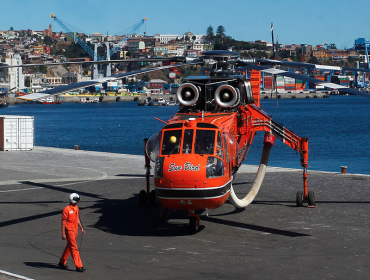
337	128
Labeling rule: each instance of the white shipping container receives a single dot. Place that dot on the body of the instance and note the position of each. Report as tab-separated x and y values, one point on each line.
16	133
289	80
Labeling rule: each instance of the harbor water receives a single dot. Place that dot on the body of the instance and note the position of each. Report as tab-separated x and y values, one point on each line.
338	129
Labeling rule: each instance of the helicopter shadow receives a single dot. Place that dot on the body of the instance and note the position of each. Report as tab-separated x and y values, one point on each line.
127	217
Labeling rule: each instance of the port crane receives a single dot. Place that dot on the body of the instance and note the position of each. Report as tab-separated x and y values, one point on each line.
123	41
363	44
75	37
93	53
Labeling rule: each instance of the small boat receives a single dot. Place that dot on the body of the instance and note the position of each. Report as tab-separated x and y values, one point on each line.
145	102
172	103
53	102
162	101
49	100
3	104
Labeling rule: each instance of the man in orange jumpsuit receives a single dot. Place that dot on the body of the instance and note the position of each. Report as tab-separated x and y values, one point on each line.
70	223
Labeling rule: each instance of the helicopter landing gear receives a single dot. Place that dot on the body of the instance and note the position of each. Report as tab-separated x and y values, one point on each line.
304	196
193	223
299	199
310	199
146	195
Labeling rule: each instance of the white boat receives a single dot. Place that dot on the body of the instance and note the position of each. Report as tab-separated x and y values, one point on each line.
162	101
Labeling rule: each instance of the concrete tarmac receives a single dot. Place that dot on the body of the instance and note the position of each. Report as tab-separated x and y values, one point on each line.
270	239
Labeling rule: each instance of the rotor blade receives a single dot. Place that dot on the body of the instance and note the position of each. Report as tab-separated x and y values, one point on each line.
309	65
172	59
356	69
285	73
59	90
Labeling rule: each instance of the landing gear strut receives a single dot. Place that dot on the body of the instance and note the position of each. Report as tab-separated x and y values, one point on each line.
146	195
305	196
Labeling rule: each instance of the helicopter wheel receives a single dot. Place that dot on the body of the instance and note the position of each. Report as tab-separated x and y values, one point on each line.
311	198
299	199
153	198
143	197
193	225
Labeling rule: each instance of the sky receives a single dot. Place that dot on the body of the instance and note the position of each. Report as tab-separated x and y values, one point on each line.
310	22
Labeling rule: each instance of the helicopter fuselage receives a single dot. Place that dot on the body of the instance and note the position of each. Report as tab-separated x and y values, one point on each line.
197	154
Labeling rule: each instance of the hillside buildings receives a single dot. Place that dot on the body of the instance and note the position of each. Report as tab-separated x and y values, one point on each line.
46	46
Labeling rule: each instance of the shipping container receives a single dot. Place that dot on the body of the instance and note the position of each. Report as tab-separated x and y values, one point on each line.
16	133
300	86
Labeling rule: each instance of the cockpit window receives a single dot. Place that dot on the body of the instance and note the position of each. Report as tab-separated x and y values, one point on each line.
188	141
171	142
219	148
204	142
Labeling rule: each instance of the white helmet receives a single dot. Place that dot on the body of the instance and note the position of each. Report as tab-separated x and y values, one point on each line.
74	198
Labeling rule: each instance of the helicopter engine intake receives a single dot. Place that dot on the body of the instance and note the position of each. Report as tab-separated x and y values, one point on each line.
188	94
227	96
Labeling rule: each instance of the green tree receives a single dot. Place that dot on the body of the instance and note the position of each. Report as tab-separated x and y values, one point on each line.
220	43
210	34
220	33
53	51
146	78
48	40
313	60
11	28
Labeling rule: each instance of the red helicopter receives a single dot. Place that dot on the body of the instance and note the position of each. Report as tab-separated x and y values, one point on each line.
199	150
201	147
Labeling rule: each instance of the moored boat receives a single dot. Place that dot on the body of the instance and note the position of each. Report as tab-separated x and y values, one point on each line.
49	100
3	104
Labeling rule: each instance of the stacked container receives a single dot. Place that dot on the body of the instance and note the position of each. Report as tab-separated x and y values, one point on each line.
300	85
289	83
280	83
267	82
344	81
341	80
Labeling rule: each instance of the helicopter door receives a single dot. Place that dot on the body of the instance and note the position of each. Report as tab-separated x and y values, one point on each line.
215	163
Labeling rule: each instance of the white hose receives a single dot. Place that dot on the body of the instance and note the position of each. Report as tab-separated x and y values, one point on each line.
241	203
